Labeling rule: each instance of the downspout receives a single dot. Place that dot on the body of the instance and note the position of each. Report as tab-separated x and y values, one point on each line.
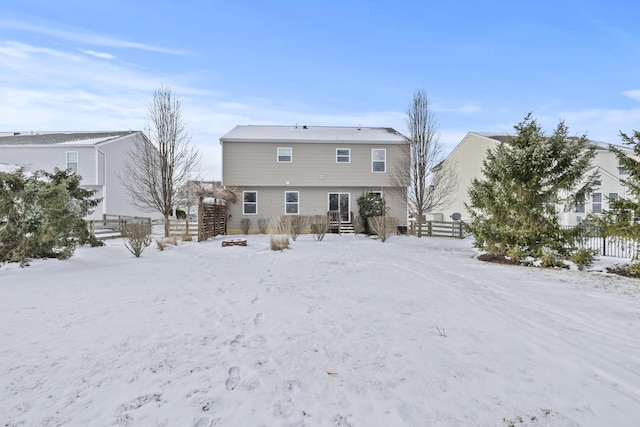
104	178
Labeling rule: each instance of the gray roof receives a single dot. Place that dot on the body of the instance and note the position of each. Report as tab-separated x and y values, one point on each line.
313	134
52	138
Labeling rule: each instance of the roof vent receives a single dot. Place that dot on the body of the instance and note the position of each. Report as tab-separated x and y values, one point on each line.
304	127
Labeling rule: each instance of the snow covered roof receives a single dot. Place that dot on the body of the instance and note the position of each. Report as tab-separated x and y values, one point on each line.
503	136
313	134
56	138
8	168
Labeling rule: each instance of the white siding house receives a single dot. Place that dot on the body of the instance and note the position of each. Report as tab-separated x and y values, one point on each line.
468	155
97	157
309	170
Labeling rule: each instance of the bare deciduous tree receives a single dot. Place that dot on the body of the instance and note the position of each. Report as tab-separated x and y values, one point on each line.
158	166
430	182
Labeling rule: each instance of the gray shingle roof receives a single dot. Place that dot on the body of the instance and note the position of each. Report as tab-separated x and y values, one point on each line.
313	134
89	138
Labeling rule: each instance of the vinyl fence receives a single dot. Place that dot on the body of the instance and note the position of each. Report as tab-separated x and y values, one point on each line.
595	238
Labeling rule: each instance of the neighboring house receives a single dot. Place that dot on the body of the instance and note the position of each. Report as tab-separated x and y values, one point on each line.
471	151
309	170
98	157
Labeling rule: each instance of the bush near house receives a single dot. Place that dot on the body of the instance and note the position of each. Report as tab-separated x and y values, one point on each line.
370	205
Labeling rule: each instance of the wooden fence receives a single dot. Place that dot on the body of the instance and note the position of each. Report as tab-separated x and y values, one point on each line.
178	228
212	218
440	229
111	225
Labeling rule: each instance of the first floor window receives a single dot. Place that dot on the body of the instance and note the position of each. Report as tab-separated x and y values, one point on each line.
378	160
596	202
291	202
72	161
250	202
285	154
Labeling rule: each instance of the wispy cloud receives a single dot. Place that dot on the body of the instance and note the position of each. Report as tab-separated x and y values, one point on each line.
84	37
101	55
633	94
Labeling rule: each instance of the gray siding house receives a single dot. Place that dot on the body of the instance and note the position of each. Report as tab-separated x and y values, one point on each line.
96	156
309	170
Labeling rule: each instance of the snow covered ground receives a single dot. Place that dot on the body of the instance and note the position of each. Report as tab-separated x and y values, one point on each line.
344	332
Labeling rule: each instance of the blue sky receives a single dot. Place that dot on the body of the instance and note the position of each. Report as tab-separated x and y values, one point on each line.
93	65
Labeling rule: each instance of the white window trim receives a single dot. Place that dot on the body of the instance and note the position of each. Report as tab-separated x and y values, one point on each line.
77	162
348	155
243	202
296	203
595	203
385	160
290	155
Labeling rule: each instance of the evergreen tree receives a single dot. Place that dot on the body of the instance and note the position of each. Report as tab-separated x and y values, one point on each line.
526	176
621	218
41	215
369	205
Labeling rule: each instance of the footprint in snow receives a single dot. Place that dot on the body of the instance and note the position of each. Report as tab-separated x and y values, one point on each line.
235	342
258	319
234	378
203	422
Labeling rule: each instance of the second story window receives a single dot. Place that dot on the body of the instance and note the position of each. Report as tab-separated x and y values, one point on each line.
72	161
579	207
285	154
378	160
596	202
250	202
343	155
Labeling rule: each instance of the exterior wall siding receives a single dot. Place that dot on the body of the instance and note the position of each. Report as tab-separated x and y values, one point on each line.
313	164
312	201
118	200
34	158
467	160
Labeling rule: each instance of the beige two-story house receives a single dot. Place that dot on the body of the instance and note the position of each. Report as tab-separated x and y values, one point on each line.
469	154
309	170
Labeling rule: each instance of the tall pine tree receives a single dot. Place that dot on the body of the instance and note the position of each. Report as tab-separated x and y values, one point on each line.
621	219
514	209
